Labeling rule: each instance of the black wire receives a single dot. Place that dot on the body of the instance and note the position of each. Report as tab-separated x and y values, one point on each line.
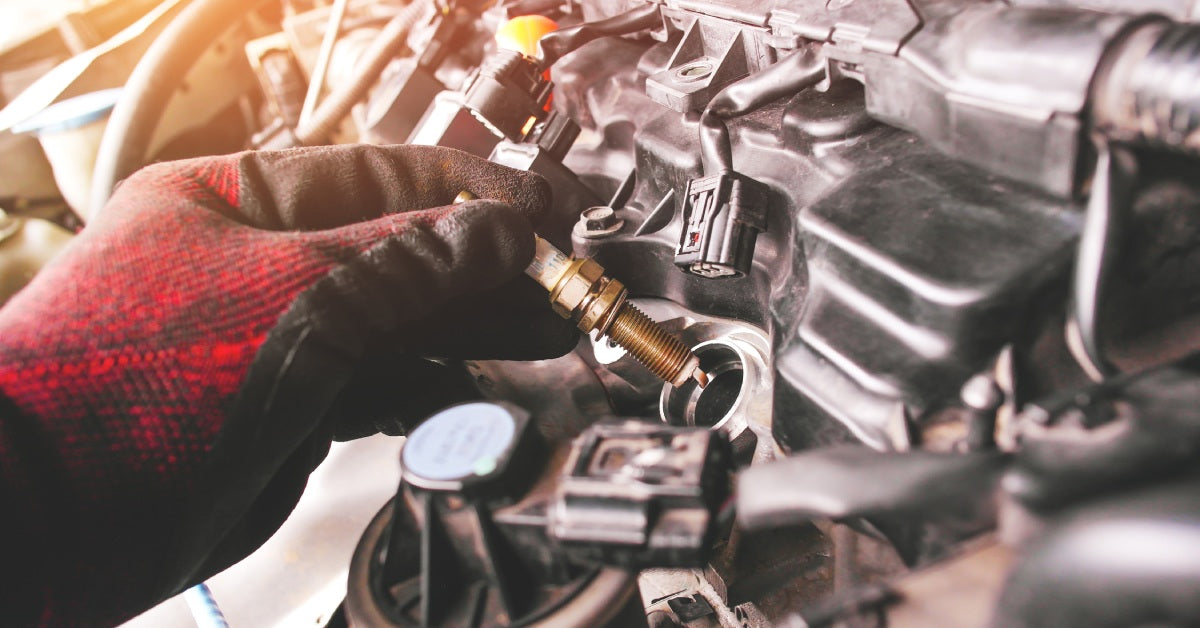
559	43
796	72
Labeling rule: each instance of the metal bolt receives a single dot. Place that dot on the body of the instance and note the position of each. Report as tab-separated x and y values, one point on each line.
981	398
665	355
599	217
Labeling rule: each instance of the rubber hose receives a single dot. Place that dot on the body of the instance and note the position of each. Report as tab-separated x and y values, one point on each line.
559	43
1166	89
386	46
1151	91
1099	249
796	72
154	80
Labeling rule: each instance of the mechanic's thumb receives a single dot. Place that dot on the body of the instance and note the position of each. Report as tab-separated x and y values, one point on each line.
406	265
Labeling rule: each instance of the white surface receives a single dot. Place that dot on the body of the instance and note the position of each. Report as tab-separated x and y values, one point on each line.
20	18
459	442
72	156
299	576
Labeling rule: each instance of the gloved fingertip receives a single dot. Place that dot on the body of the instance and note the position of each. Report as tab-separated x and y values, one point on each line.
496	229
528	192
534	197
422	259
558	336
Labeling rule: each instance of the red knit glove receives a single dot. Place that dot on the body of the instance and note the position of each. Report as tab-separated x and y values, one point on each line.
170	381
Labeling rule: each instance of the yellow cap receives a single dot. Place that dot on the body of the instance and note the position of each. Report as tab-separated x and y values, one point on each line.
522	33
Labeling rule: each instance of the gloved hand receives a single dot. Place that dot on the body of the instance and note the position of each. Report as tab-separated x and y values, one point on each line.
170	381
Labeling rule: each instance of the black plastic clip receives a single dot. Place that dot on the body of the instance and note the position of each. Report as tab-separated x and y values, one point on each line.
722	217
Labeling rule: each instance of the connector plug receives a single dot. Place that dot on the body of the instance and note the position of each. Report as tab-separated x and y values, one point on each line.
722	217
509	93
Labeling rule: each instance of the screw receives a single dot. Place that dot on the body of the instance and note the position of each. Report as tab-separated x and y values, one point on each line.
598	218
981	398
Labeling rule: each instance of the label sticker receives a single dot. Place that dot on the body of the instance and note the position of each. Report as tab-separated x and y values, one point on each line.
459	442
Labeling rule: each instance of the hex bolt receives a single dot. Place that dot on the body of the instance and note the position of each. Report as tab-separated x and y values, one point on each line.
599	218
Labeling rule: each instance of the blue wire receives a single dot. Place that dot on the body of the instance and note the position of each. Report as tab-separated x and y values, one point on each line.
204	607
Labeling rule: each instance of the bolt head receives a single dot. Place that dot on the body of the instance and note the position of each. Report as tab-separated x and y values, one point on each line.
599	217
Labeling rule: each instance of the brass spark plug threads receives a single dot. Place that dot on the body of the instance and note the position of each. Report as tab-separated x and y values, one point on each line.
580	291
659	351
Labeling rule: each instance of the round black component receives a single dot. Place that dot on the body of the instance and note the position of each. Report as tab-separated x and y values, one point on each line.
464	543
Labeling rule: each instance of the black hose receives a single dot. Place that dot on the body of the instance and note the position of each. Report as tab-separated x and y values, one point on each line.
796	72
1166	88
1147	92
1099	247
559	43
154	80
161	71
532	7
1150	91
390	42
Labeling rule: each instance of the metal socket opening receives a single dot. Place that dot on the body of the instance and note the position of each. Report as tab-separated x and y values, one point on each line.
694	71
715	404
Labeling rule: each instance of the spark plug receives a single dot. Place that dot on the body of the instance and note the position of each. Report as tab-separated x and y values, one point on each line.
580	291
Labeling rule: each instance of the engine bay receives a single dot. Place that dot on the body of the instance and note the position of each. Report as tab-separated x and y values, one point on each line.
935	258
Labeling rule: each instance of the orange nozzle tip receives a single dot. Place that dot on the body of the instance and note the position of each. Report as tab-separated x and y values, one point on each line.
522	33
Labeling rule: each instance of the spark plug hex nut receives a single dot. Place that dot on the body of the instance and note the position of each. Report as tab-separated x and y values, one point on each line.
583	292
581	278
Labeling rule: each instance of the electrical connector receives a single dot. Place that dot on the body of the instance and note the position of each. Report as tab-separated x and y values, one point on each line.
722	217
509	94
